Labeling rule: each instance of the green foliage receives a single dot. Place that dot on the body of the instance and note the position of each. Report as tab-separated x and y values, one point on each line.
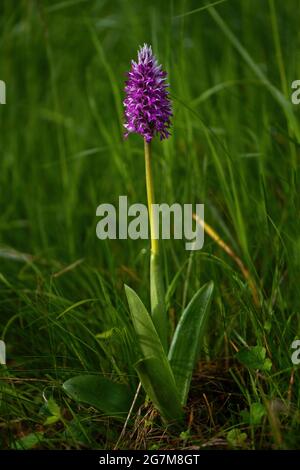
54	412
153	368
255	358
188	339
234	146
157	296
255	414
236	438
110	397
29	441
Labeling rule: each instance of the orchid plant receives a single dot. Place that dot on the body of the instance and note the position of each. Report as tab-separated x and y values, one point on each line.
165	366
165	372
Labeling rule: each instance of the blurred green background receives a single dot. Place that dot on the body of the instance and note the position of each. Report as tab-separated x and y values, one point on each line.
234	147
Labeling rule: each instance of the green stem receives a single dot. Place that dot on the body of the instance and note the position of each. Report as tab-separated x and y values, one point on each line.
157	291
150	198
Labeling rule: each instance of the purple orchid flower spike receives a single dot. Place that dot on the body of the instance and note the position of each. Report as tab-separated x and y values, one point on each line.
147	104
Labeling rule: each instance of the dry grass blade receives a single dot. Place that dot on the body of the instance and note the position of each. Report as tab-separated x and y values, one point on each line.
213	234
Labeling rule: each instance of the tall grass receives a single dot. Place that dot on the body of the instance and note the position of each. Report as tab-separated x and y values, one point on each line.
235	147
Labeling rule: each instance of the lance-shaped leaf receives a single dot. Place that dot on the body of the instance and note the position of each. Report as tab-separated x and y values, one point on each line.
160	387
113	398
187	339
157	295
153	368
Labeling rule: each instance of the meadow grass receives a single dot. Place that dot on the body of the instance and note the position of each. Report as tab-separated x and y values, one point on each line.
234	146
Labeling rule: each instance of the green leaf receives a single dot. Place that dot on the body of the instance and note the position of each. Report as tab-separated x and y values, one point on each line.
159	386
236	438
153	369
51	420
112	398
254	358
157	295
106	334
255	414
187	339
54	411
29	441
53	407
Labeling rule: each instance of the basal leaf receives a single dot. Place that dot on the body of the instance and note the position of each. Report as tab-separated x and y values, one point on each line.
110	397
187	339
153	369
159	388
